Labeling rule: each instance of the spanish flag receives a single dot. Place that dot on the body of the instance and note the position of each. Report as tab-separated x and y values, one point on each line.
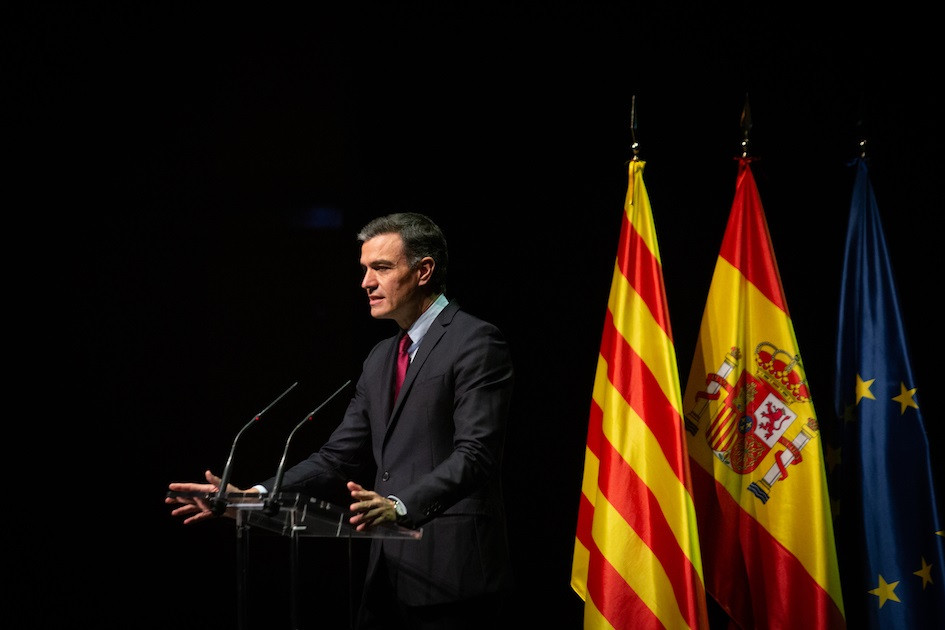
758	475
636	557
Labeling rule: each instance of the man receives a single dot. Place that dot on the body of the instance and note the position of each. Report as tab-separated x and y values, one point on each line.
436	446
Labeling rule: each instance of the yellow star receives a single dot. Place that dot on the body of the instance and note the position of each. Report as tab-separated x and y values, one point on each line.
885	591
905	398
925	573
863	389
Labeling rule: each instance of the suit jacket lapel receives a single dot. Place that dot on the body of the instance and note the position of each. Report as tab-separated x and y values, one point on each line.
427	346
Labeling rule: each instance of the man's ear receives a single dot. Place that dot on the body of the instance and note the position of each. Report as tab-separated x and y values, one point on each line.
425	267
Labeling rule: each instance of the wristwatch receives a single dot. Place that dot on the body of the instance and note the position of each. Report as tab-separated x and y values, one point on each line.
399	507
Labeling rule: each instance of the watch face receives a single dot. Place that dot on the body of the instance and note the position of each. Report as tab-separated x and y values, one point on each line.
400	509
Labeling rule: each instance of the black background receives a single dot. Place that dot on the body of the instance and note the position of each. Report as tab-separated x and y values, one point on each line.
185	187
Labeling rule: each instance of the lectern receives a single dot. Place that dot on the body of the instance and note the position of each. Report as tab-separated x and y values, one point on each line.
296	516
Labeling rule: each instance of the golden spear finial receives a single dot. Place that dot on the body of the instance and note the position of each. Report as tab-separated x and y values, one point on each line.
746	126
633	129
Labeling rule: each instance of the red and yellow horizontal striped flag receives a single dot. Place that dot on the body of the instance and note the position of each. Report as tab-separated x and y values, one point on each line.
636	554
758	473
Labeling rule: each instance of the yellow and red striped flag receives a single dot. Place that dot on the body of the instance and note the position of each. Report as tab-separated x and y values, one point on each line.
758	475
636	557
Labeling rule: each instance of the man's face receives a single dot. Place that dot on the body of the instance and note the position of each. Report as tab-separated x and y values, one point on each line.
390	284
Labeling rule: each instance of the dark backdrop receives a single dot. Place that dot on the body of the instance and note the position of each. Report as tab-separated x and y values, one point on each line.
186	184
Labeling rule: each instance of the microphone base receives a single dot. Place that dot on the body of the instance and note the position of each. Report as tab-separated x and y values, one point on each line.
271	508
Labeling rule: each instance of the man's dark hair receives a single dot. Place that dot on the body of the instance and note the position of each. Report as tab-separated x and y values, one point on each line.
421	236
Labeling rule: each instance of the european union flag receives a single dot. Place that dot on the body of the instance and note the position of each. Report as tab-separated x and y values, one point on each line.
889	530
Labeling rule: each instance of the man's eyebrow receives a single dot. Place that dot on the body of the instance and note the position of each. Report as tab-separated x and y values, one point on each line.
381	261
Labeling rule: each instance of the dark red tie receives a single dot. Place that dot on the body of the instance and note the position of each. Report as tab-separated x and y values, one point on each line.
403	360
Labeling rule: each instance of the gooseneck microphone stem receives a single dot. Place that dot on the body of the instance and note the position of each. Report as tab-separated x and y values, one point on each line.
218	503
272	505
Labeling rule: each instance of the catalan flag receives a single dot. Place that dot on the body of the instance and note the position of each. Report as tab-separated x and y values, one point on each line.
758	476
889	528
636	554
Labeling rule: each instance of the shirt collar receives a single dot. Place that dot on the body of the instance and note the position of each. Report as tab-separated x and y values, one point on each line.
423	323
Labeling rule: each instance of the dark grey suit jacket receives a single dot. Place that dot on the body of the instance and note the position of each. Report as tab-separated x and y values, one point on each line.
439	449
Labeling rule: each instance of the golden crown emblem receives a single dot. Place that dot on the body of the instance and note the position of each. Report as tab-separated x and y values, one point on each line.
782	371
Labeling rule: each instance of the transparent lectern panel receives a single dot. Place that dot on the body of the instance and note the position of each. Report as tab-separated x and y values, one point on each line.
295	514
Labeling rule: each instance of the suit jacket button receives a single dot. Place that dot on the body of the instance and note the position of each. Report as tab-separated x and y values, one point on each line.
385	476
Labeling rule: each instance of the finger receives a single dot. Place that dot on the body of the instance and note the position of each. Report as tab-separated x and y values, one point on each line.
365	495
189	487
365	503
211	478
196	517
359	521
183	510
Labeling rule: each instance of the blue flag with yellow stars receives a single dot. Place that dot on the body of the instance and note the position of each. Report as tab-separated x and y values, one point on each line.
889	529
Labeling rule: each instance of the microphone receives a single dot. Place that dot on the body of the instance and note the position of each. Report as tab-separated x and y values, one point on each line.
218	503
272	504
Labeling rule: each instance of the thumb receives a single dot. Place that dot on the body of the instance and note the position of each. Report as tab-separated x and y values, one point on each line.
211	478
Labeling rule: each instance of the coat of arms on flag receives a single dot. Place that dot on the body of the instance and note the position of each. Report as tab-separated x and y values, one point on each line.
751	416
